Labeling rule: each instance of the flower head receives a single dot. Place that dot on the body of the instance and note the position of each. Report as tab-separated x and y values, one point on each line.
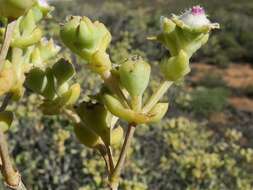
195	18
183	35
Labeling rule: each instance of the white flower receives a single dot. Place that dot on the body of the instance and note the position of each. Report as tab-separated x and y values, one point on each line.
43	3
196	17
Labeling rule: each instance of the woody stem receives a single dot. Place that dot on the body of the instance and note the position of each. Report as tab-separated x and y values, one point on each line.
115	176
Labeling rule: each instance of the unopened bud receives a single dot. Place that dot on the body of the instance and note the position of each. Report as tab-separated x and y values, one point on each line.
134	75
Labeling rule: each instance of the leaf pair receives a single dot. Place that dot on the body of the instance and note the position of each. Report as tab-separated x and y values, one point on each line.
117	109
53	85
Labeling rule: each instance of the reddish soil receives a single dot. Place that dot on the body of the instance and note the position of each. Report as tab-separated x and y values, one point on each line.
242	103
219	118
236	76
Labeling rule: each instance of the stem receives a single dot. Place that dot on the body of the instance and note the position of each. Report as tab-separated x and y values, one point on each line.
6	43
110	158
11	175
114	178
106	159
5	103
154	99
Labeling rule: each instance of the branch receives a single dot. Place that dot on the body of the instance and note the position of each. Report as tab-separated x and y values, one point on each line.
154	99
114	179
110	158
5	103
11	175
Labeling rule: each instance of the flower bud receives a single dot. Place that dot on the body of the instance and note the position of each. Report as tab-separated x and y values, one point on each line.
86	136
63	71
134	75
176	67
15	8
97	118
86	38
6	118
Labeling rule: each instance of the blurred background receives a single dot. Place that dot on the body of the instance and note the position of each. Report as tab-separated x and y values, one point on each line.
206	140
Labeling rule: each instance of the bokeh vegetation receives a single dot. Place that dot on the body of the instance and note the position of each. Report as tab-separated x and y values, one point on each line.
187	151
